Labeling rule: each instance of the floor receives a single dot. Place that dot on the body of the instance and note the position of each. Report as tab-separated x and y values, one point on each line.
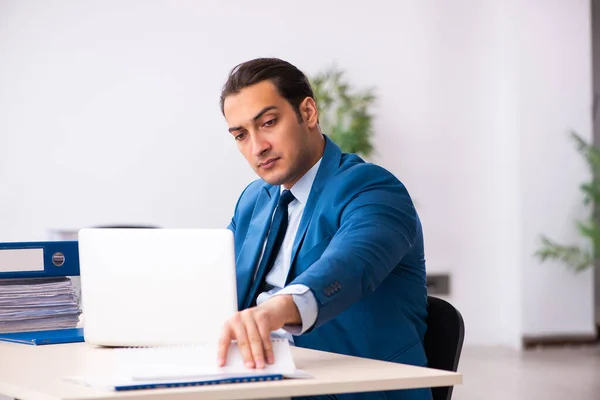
550	374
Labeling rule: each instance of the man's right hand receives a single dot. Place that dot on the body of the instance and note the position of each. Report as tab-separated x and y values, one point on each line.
252	328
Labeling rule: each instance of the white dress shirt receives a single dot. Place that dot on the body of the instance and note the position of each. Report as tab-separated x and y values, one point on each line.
303	297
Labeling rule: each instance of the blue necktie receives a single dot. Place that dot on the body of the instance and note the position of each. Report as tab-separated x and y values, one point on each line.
276	235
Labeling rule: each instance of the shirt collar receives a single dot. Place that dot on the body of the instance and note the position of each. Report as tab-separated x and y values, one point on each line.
301	189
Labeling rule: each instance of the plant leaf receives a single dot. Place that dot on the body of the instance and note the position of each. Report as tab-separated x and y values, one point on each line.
343	111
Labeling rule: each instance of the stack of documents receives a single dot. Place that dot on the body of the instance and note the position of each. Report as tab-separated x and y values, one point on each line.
160	367
37	304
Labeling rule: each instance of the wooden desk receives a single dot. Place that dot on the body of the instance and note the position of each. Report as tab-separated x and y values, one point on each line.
30	372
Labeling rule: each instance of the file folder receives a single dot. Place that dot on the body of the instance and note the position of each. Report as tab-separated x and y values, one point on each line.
125	385
187	365
39	259
37	338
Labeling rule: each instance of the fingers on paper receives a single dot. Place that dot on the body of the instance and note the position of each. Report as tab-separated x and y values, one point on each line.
252	332
227	336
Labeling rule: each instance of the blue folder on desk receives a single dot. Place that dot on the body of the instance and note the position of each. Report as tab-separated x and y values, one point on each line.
186	383
39	259
186	365
126	385
37	338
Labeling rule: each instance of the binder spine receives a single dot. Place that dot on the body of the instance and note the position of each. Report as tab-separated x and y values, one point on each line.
39	259
166	385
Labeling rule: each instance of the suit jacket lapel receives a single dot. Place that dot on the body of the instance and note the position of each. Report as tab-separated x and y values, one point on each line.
329	164
255	238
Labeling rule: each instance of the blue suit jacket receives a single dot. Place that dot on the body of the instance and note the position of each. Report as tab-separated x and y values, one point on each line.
359	248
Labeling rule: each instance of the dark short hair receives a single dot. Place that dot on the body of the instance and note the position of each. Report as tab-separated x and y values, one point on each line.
290	82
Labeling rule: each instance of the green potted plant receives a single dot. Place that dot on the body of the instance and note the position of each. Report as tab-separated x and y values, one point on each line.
579	258
344	113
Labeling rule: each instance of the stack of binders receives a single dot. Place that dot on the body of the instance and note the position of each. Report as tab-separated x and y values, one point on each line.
36	292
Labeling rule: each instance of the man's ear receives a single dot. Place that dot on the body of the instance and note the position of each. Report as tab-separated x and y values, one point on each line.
309	112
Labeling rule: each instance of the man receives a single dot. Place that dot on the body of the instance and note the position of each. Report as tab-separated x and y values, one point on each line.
329	249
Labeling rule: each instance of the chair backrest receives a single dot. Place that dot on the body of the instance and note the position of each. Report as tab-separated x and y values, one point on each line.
443	340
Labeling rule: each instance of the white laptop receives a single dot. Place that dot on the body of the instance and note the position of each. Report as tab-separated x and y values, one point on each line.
156	287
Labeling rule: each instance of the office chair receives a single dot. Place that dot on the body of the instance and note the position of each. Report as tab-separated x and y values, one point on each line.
443	340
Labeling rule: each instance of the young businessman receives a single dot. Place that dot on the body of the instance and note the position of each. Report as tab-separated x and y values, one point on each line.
329	249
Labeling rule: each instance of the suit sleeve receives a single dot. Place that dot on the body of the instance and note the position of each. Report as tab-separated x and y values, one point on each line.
378	226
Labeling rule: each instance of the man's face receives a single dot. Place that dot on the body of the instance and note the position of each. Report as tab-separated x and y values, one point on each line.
268	133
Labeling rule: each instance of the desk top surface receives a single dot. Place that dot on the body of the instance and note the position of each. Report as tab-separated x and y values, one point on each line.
36	372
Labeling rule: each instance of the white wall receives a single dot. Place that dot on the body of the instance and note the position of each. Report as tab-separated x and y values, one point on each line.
477	119
596	79
514	79
109	114
555	96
